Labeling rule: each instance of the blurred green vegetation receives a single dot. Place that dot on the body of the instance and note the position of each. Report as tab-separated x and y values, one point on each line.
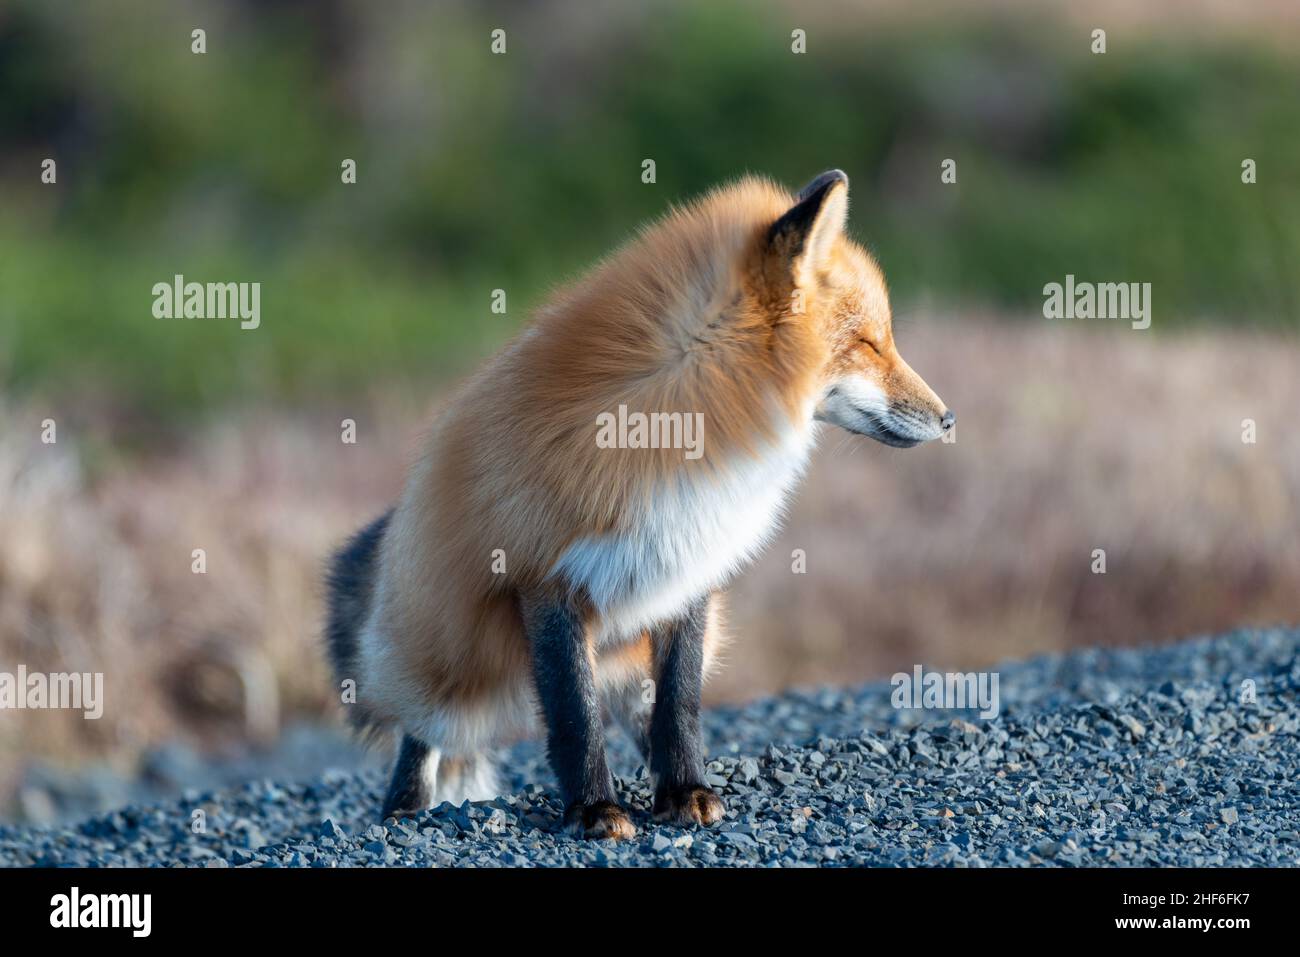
478	172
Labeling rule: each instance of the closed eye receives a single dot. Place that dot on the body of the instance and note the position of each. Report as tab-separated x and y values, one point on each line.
868	342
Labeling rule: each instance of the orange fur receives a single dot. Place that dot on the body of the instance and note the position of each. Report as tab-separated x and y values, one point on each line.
698	313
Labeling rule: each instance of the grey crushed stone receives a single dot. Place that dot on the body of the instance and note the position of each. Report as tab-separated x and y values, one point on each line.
1137	757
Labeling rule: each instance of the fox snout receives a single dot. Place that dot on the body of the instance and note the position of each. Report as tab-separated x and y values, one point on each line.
899	417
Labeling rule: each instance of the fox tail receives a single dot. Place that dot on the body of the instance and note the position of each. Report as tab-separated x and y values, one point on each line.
350	586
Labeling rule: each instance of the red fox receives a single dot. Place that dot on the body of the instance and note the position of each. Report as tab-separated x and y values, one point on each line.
530	568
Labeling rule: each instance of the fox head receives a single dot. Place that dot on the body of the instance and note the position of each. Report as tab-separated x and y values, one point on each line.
832	284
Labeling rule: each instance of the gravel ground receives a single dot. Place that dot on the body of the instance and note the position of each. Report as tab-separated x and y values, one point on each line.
1129	757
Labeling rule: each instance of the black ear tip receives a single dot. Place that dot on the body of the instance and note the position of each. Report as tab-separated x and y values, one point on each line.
824	181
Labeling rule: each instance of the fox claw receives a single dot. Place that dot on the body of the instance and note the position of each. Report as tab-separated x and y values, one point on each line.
599	821
688	804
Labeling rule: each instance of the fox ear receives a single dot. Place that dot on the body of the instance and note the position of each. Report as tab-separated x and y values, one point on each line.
804	235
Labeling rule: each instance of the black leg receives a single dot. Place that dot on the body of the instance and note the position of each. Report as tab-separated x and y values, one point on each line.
575	737
676	751
409	791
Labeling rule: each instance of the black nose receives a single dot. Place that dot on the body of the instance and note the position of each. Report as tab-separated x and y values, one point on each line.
948	420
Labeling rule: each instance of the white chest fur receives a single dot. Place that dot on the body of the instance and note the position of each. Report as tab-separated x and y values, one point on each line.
695	536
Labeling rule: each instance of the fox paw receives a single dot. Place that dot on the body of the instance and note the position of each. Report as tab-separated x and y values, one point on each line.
397	813
688	804
603	820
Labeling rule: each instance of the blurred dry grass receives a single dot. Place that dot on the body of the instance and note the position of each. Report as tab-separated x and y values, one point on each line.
1069	438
